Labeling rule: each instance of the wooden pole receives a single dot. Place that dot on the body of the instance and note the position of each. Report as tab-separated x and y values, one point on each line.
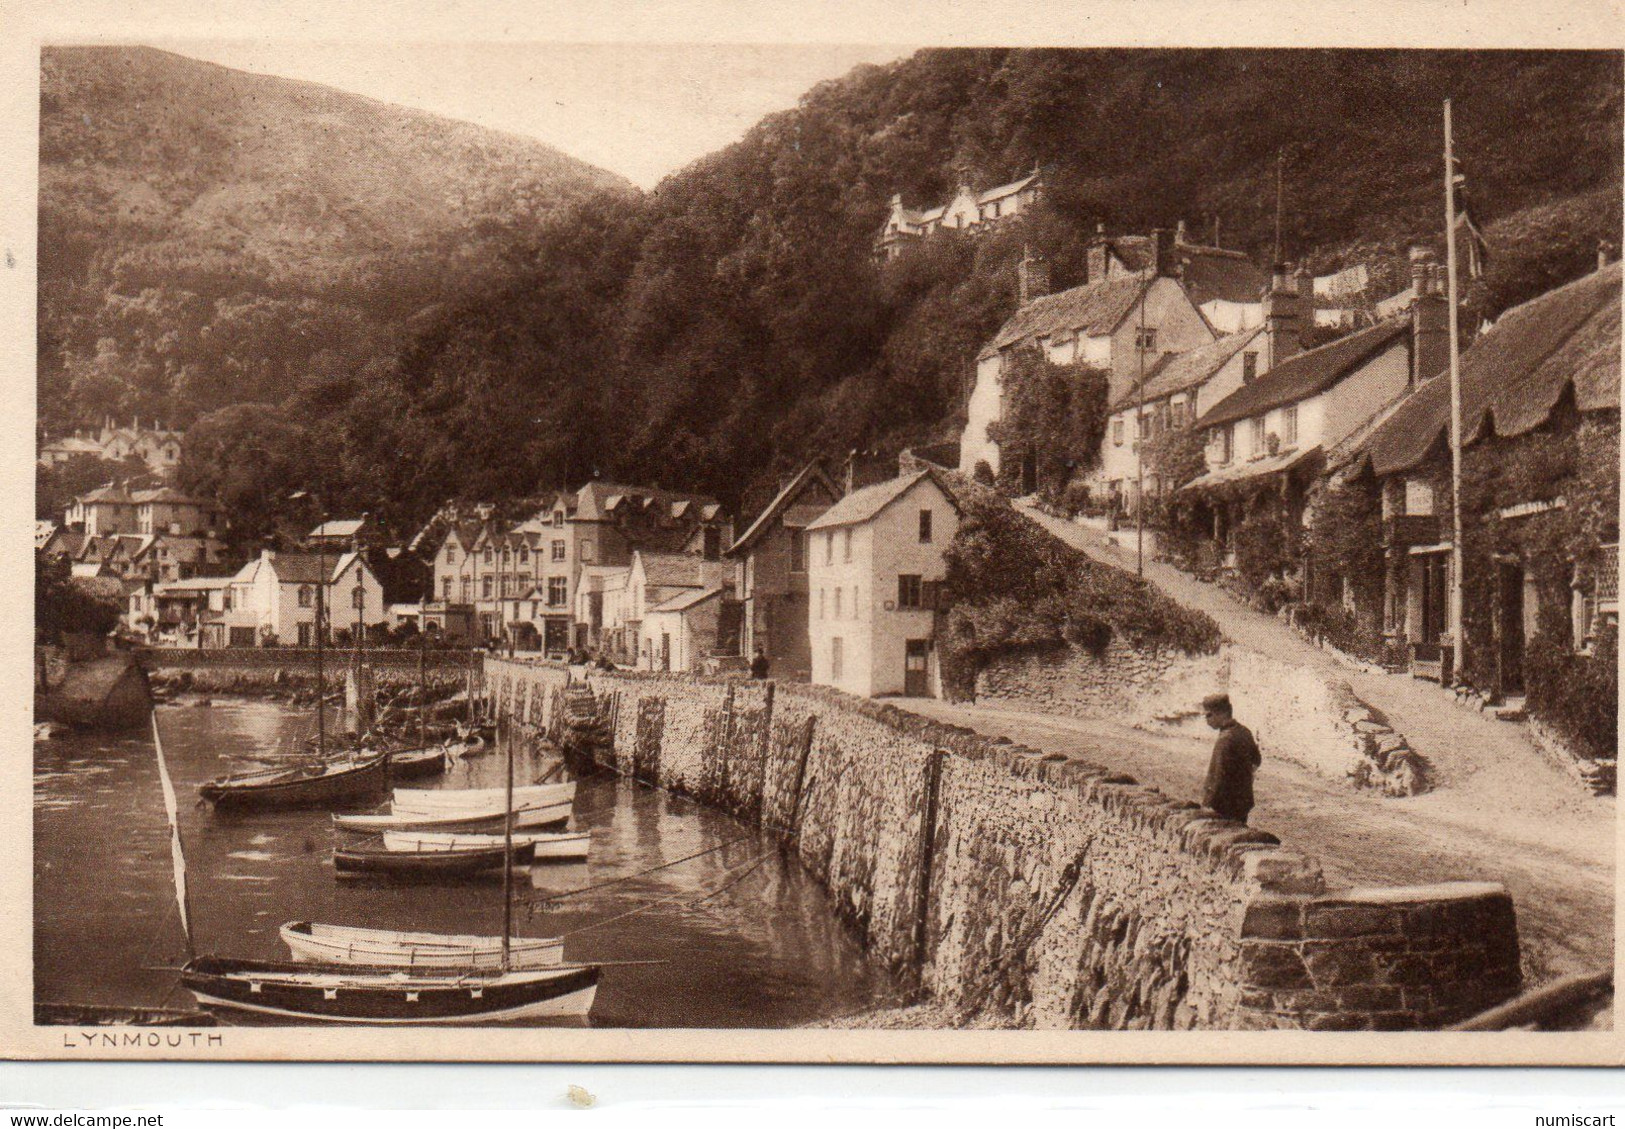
928	835
1457	635
1139	444
321	603
507	865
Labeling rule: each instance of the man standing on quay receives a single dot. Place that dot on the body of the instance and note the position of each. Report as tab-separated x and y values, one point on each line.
1229	786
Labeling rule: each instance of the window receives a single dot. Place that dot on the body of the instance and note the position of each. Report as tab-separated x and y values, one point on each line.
925	527
1145	338
846	545
358	597
445	588
304	634
535	608
908	592
1419	497
468	589
835	656
507	555
829	547
1142	425
558	518
225	600
838	592
558	550
1117	432
1256	431
820	603
1227	442
1289	426
524	554
798	551
306	595
856	603
488	554
485	588
586	552
1249	367
556	591
451	554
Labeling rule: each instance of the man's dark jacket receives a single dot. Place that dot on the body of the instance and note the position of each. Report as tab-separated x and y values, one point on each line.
1229	786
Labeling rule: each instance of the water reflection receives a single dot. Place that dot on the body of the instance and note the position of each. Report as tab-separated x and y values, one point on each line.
742	936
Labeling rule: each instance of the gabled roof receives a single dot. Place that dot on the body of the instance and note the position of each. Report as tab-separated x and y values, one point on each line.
343	527
168	495
65	540
865	504
591	502
685	600
113	493
1513	376
1307	374
1004	190
304	568
810	475
1211	273
1177	372
1094	310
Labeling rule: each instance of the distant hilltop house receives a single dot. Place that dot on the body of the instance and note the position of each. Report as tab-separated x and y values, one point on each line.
967	210
158	446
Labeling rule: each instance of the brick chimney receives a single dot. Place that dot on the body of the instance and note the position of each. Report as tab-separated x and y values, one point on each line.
1283	317
1163	259
1095	256
1430	312
1032	277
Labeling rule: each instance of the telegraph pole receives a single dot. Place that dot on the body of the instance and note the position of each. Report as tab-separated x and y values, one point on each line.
1457	634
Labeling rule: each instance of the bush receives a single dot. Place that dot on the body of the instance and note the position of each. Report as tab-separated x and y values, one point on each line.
1266	546
1577	695
1013	587
1343	629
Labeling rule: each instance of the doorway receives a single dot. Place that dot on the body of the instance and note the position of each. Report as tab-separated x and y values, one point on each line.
1509	581
916	657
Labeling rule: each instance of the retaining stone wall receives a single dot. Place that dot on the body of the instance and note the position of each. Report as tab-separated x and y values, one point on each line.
294	658
1034	889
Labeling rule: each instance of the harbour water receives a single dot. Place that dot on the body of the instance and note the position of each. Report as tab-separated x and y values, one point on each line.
741	935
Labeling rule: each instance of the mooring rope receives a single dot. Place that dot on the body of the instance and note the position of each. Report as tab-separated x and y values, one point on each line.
735	876
563	894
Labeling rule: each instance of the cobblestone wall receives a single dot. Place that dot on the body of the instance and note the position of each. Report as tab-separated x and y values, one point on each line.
1038	890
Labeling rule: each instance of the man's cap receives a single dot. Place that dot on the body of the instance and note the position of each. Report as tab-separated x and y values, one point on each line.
1216	702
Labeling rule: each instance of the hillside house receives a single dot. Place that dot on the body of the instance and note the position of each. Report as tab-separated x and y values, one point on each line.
106	509
1266	441
340	533
274	598
772	556
158	446
968	210
875	562
1225	285
181	605
1540	431
1118	325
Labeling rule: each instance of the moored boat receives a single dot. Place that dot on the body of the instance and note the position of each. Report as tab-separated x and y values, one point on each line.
543	817
440	799
388	948
410	764
318	784
555	847
454	863
336	993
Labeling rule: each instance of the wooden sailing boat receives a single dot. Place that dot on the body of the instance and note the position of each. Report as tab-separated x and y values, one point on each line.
545	846
248	990
487	817
391	948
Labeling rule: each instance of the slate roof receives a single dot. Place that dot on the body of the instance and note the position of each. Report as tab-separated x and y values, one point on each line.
1094	309
1177	372
113	493
672	570
168	495
683	601
810	474
1306	374
1209	273
1515	374
302	568
862	505
591	502
344	527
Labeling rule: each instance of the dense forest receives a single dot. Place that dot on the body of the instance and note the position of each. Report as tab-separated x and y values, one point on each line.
527	323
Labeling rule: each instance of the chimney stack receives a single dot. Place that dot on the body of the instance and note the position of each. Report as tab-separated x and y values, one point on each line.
1032	277
1179	232
1163	259
1430	310
1095	256
1283	317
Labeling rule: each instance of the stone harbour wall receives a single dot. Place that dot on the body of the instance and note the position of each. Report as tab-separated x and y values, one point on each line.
1031	889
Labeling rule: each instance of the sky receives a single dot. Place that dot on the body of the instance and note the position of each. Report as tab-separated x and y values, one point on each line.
641	110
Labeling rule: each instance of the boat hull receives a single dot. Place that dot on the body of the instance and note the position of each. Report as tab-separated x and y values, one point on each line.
541	818
429	800
428	864
415	764
555	847
336	787
273	991
380	948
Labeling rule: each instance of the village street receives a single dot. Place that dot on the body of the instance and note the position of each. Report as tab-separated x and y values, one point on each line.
1498	810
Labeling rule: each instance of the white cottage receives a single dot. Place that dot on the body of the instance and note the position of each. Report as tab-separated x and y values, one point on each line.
874	562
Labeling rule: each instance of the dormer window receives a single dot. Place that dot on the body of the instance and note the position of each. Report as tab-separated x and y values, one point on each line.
1145	338
558	518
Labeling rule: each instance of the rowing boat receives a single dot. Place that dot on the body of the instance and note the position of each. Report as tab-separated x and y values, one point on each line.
428	800
554	847
453	863
318	784
473	819
409	764
336	993
388	948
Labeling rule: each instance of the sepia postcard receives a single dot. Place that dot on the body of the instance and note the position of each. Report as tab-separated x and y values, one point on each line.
596	537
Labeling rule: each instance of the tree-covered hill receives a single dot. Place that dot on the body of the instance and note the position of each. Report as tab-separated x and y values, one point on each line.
732	322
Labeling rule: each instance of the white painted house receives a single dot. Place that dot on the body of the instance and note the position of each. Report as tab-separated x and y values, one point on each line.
274	595
874	563
1118	324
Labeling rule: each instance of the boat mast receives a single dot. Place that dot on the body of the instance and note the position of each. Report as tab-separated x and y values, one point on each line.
321	585
423	665
507	861
177	856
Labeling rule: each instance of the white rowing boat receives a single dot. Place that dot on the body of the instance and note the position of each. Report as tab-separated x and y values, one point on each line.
490	818
429	800
555	847
389	948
